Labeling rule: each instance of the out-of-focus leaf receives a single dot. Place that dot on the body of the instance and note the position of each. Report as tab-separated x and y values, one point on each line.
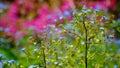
8	54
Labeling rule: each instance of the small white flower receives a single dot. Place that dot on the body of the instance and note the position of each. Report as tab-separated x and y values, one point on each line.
59	57
55	63
102	28
88	10
53	40
82	43
61	17
111	36
30	37
34	43
84	7
105	17
60	38
92	22
23	49
60	64
32	66
11	61
79	14
35	49
55	20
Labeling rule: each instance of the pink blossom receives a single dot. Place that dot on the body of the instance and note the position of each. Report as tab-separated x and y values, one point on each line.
45	16
103	5
97	4
67	4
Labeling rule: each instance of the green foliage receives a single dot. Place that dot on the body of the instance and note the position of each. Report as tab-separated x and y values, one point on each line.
63	45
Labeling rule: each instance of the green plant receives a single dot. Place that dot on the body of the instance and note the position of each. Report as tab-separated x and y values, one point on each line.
85	42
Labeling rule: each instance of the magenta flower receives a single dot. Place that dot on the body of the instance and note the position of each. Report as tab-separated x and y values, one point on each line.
16	21
102	5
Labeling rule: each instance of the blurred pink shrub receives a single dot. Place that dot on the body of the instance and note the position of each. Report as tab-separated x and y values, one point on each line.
102	5
35	14
98	4
38	14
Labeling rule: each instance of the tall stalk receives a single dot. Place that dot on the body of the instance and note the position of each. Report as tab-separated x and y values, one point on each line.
86	42
44	58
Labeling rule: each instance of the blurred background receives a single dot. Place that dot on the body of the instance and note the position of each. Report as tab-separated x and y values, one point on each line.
19	17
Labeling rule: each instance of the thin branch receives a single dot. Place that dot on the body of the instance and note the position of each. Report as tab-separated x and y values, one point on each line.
44	58
86	42
72	32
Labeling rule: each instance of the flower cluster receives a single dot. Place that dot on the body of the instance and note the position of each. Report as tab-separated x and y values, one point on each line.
99	4
35	15
64	45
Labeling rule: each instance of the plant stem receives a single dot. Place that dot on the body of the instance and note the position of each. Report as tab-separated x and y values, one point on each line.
86	44
44	58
